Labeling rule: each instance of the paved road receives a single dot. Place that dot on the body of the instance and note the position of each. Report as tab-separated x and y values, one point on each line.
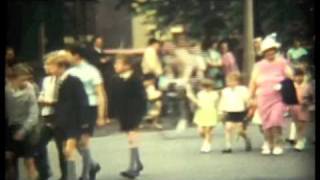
168	155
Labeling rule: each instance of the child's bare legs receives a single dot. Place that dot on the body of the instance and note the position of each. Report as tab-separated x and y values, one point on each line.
292	133
69	151
301	128
229	136
269	141
135	163
11	166
242	133
208	135
201	132
207	138
31	168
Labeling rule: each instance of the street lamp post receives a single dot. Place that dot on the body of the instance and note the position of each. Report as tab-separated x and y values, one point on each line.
248	39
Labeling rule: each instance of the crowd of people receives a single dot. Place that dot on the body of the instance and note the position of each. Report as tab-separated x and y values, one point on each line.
201	83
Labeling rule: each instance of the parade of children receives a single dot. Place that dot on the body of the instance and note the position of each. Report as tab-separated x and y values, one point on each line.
73	106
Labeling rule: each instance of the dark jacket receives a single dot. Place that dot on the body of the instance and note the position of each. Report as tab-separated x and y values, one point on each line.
72	101
129	101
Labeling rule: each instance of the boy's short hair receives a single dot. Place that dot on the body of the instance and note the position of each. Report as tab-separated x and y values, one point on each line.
20	69
234	76
125	59
77	49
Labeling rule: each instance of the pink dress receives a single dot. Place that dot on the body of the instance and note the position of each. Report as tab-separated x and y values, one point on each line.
229	63
269	101
300	112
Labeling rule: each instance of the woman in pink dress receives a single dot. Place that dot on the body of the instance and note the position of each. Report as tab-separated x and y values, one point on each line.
228	60
265	82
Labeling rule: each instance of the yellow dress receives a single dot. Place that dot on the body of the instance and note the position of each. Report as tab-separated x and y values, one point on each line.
206	114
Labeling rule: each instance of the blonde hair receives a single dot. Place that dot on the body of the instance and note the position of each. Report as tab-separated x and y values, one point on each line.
58	57
234	76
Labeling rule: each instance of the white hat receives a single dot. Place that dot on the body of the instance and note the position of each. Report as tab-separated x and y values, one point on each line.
268	43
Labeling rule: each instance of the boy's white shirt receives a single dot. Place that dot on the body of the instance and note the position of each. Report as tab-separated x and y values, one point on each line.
47	94
234	99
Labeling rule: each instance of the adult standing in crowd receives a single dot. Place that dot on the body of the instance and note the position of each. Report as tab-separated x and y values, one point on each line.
104	64
296	52
151	63
266	77
257	49
214	65
229	62
10	59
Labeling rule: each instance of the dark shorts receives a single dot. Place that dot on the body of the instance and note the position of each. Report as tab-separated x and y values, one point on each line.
235	116
23	148
87	127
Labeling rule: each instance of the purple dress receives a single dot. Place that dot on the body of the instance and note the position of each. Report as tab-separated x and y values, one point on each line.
270	105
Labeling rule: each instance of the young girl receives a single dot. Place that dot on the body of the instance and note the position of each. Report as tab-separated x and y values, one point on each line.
129	97
300	113
206	114
234	99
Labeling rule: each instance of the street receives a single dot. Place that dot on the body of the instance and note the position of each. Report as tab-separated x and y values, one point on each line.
175	156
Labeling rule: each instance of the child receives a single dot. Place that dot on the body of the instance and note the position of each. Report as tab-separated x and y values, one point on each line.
22	115
234	99
154	101
300	113
130	100
206	114
47	100
71	104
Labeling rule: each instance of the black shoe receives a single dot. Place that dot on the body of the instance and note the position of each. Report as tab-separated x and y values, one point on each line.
291	142
227	151
93	171
140	167
248	147
130	174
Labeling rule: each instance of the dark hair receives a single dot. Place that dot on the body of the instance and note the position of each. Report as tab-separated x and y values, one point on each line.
149	76
77	49
95	38
153	41
298	71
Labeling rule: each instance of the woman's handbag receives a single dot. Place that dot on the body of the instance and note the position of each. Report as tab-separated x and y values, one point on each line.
288	92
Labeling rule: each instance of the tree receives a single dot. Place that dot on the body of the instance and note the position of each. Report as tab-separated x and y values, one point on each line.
223	18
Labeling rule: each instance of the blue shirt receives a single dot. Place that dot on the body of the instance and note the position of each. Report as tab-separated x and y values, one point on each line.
90	77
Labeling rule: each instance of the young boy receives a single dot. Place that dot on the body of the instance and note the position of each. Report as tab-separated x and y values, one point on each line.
233	103
129	99
69	108
22	114
47	100
95	113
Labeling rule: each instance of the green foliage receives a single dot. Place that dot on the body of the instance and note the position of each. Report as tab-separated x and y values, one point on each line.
289	18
